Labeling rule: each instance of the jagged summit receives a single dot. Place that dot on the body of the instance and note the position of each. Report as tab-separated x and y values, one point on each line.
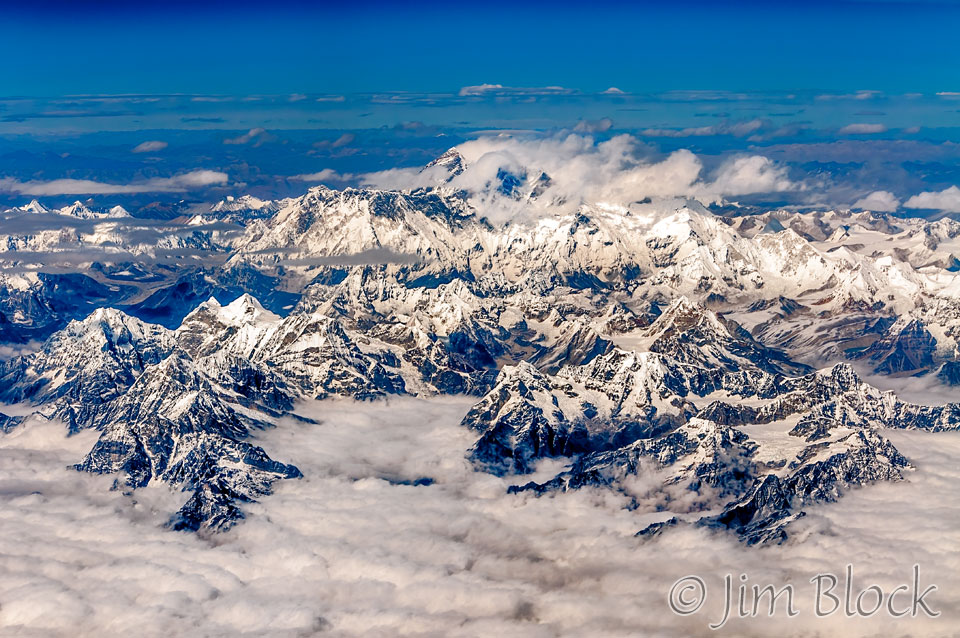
451	161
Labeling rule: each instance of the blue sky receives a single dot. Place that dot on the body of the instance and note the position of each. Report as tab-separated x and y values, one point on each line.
56	48
852	97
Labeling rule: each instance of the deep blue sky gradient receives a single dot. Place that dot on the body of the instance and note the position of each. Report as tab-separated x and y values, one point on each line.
58	48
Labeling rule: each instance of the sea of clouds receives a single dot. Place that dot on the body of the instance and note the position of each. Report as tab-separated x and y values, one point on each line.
356	549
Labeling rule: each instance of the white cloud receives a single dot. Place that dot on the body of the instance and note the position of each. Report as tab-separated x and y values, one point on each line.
479	89
862	129
947	200
246	138
499	89
343	140
738	129
751	174
582	171
612	91
594	126
352	551
175	184
150	146
859	95
879	201
327	174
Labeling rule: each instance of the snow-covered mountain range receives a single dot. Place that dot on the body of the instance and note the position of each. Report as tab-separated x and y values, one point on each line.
709	366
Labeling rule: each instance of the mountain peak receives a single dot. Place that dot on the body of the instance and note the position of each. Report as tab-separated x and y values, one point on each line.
247	309
35	207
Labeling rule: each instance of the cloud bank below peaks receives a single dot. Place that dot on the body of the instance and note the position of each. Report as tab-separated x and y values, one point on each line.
513	178
193	180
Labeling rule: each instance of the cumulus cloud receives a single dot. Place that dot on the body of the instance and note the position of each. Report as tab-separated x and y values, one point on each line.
879	201
862	129
612	91
620	169
178	183
327	174
150	146
751	174
355	549
602	125
947	200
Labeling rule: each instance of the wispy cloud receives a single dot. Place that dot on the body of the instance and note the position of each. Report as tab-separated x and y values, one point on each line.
341	141
193	180
594	126
858	95
326	175
150	146
736	129
862	129
256	135
499	89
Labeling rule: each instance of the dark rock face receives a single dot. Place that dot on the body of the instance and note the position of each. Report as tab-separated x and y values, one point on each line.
178	425
905	347
763	513
51	302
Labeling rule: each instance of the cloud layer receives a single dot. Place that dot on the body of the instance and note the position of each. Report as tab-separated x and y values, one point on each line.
354	549
193	180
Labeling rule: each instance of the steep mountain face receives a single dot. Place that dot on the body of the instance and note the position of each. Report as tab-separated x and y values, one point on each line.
688	333
86	365
907	347
685	359
177	424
